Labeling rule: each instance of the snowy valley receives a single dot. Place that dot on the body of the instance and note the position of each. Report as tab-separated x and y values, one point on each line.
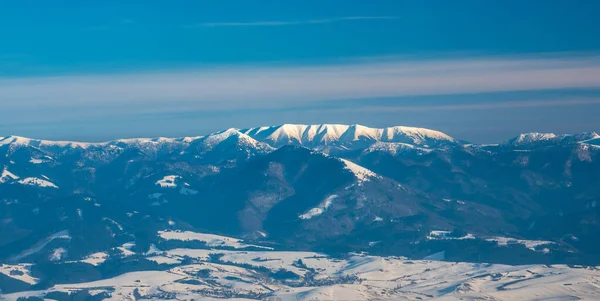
260	273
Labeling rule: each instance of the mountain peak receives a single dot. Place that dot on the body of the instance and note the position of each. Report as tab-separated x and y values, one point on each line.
536	138
23	141
218	137
317	136
14	140
320	135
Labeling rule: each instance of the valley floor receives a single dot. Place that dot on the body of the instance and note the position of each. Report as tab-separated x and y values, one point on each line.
208	274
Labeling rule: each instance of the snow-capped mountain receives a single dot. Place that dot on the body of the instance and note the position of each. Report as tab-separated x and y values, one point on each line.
318	136
396	191
286	134
529	140
312	136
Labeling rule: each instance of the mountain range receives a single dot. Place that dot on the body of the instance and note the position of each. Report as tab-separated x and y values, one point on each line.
397	191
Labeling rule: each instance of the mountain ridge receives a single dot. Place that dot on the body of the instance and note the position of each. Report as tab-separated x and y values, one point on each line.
329	188
316	135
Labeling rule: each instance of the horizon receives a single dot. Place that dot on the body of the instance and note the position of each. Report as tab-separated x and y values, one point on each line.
279	125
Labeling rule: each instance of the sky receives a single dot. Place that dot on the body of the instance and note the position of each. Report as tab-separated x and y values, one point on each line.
482	71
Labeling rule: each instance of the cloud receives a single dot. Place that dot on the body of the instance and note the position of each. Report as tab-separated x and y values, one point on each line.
284	23
295	86
558	92
483	105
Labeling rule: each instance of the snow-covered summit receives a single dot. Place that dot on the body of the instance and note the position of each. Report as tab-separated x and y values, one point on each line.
318	136
17	140
230	138
23	141
536	139
339	134
218	137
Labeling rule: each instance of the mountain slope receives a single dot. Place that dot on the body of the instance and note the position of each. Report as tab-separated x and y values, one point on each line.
331	188
319	136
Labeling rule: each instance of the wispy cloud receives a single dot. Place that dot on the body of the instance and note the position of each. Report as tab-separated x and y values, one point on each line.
483	105
298	22
289	86
428	93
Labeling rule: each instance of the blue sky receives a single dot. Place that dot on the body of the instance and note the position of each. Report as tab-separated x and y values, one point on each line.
479	70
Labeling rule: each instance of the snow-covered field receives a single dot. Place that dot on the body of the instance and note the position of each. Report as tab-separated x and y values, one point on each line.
32	181
209	274
20	272
359	277
168	181
96	258
211	240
